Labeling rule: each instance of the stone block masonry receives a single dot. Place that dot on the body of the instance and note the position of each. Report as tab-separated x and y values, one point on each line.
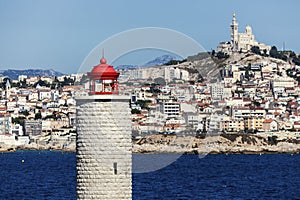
103	149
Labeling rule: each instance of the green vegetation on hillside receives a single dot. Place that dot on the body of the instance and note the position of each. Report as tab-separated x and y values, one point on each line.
175	62
283	55
274	53
144	103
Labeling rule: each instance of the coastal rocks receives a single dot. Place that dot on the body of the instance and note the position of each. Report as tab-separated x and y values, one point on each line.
5	149
162	143
71	147
224	143
56	147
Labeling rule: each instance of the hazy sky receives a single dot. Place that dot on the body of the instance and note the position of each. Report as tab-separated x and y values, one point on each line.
59	34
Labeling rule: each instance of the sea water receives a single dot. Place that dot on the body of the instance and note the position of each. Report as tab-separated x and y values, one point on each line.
52	175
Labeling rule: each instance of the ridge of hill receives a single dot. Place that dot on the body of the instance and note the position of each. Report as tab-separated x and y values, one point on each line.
14	73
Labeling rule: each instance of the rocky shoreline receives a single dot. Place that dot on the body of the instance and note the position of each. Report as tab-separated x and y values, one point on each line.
36	147
217	144
187	144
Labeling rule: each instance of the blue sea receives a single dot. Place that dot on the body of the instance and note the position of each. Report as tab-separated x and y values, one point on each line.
52	175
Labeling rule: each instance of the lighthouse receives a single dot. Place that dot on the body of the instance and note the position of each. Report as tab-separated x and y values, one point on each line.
103	146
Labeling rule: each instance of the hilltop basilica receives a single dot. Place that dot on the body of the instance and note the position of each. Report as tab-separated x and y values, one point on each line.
240	41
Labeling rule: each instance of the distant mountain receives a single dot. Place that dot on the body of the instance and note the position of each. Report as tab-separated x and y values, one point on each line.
13	73
160	60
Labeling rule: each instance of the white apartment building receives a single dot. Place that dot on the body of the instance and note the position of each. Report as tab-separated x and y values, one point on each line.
47	79
22	77
171	73
5	124
285	82
44	94
32	80
217	90
245	112
171	108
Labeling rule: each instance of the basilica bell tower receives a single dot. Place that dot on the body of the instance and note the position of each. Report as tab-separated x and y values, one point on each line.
234	26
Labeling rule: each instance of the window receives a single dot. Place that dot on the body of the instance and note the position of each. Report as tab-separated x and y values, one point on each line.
115	168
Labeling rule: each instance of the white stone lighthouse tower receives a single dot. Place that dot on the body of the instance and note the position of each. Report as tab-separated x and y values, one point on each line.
103	138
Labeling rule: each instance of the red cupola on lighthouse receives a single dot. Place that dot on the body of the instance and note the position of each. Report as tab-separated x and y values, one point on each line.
103	79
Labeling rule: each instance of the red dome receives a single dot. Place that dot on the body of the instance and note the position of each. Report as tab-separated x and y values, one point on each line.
103	71
103	68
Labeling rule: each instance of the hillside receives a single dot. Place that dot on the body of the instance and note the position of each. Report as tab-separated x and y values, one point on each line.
208	66
13	73
161	60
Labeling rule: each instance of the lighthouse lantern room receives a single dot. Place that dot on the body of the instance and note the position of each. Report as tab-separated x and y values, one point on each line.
103	79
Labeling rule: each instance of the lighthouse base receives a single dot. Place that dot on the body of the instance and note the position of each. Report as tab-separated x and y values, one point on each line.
103	148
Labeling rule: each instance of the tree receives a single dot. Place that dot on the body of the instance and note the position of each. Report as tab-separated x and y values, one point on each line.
296	60
135	111
175	62
247	71
3	84
23	84
6	79
213	52
247	74
276	54
200	78
144	103
68	81
283	56
265	52
160	81
42	83
256	103
172	62
273	52
221	55
255	49
38	116
18	120
25	112
292	55
84	79
154	90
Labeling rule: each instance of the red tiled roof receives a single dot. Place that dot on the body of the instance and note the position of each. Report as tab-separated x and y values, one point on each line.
268	120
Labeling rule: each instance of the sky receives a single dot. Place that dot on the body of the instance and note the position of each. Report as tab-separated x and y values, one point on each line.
60	34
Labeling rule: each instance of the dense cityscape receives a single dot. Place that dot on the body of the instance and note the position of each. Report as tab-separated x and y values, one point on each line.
245	87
